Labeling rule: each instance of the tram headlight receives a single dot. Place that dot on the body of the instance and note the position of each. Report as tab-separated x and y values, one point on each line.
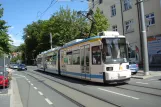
109	68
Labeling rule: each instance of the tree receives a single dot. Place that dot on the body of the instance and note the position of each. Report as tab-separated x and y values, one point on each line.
4	38
64	25
101	22
67	26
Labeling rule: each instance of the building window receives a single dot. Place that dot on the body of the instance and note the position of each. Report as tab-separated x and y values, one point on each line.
129	26
113	10
96	55
150	18
76	57
114	28
127	4
100	1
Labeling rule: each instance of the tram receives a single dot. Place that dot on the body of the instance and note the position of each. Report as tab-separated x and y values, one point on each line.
102	58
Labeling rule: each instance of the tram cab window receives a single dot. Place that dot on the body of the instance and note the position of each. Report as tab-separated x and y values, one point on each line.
96	55
114	50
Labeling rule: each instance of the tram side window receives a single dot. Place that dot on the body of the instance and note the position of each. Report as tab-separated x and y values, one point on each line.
54	59
49	58
76	57
69	56
96	55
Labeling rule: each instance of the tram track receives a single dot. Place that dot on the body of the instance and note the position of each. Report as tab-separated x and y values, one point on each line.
91	95
114	86
138	91
144	86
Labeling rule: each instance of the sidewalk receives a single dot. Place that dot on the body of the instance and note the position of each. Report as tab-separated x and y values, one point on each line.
10	97
140	74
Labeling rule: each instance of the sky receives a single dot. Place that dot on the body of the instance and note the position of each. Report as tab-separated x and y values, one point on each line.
19	13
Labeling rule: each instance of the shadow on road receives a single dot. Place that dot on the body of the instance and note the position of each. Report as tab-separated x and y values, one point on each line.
78	81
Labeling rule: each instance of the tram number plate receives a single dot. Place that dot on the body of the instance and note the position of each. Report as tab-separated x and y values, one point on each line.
122	77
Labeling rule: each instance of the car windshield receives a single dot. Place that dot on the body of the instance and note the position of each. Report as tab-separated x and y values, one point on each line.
114	50
22	65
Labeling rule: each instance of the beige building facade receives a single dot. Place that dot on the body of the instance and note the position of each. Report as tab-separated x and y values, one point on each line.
124	17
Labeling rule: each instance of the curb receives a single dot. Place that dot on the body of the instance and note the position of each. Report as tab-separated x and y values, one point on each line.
15	99
144	77
137	77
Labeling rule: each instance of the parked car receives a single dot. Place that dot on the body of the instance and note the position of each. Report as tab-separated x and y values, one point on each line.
11	65
14	66
4	80
134	67
22	67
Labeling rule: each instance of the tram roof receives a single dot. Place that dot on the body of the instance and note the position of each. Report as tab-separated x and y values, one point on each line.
91	38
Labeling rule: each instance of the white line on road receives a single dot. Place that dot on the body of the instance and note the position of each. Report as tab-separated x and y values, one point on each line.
26	79
29	81
31	84
119	94
40	93
19	75
152	79
157	81
35	88
142	83
48	101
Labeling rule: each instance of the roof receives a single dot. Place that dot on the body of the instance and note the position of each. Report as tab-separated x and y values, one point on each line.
91	38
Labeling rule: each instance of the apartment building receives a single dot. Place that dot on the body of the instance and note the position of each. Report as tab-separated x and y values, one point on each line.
124	17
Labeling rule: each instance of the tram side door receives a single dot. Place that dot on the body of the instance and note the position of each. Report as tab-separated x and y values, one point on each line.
85	59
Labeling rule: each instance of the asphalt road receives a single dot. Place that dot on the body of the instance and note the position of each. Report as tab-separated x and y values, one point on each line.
137	93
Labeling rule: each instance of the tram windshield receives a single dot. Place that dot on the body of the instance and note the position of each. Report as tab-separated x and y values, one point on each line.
114	50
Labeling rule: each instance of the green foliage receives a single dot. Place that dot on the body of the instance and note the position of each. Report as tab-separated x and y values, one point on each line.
4	38
13	48
15	59
65	25
101	22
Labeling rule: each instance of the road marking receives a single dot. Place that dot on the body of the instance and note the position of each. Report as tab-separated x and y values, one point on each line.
119	94
35	88
157	81
31	84
29	81
40	93
48	101
153	79
142	83
26	79
19	75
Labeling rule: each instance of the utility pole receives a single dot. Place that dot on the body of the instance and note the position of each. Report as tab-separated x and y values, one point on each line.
4	70
51	40
144	39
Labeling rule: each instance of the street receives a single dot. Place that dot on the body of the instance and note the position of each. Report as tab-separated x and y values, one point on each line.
39	89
